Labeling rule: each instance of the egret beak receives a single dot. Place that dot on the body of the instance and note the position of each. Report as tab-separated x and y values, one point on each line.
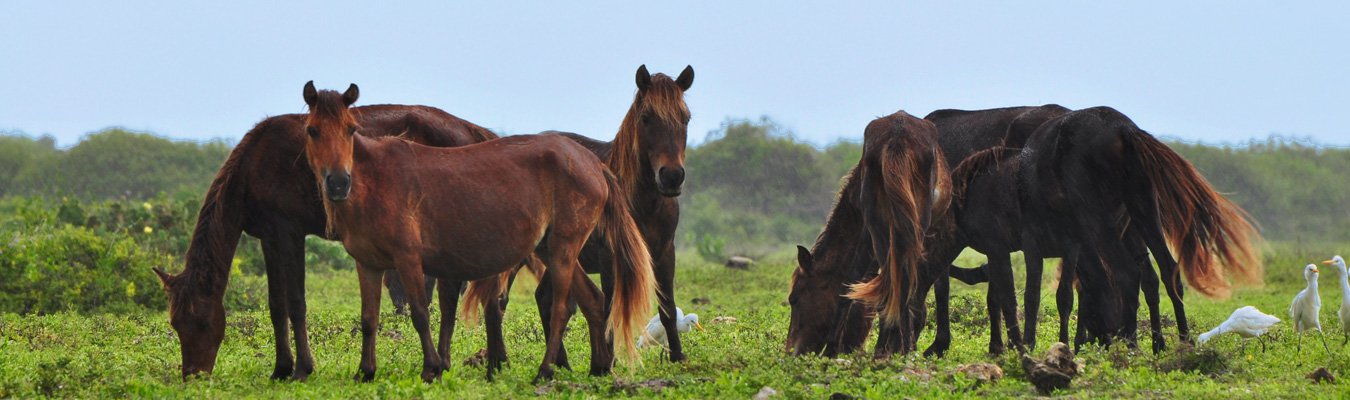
1315	271
1328	262
699	326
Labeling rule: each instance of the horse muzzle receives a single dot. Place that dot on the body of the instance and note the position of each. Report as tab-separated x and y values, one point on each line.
669	181
337	186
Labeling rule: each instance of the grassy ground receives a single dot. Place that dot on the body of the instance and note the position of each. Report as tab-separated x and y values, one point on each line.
73	355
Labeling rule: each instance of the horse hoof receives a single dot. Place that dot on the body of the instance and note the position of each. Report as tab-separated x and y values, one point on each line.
364	376
678	357
600	371
280	374
544	375
430	376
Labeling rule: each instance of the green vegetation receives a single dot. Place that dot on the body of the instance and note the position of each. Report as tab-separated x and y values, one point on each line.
82	316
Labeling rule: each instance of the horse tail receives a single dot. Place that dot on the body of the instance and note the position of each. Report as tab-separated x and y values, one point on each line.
634	282
1212	235
479	292
902	204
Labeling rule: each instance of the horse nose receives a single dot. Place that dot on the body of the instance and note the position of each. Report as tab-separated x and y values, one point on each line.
338	185
670	180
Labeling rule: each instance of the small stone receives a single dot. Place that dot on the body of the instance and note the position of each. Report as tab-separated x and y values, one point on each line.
702	301
765	393
724	320
982	372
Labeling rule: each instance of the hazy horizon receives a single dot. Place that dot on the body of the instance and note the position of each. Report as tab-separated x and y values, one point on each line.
1210	72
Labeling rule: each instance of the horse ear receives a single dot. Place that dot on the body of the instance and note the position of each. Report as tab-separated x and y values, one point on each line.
349	96
804	259
686	78
311	95
163	276
643	77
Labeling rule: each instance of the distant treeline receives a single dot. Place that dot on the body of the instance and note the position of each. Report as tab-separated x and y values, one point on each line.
752	187
113	163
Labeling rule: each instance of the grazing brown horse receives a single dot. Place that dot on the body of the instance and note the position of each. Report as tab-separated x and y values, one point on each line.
472	213
902	190
266	189
647	156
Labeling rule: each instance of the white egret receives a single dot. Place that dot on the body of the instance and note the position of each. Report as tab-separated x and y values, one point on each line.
1306	306
656	333
1344	313
1247	322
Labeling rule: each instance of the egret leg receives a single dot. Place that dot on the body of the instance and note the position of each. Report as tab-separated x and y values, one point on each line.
1262	339
1243	349
1324	342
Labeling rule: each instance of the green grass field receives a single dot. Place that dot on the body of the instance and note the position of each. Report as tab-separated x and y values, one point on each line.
136	355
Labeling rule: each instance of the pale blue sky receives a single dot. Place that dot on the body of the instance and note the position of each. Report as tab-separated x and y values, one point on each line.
1212	71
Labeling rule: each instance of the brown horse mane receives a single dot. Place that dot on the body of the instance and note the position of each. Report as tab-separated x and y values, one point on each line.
976	164
216	233
664	98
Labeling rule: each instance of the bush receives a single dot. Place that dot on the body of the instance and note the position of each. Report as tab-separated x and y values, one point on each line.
57	268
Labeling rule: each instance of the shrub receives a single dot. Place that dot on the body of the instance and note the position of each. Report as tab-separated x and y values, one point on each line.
49	269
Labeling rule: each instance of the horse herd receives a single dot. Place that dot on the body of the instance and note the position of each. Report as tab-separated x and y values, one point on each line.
425	196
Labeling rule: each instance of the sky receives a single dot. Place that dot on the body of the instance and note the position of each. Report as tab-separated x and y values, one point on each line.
1201	71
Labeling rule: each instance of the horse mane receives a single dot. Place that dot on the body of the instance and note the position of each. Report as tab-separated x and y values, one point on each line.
329	104
207	268
976	164
662	98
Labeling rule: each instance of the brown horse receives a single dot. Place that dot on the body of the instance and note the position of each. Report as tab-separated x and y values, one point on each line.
903	190
473	213
265	189
647	156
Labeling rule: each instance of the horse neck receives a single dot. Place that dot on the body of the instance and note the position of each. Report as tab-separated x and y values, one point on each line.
843	244
215	238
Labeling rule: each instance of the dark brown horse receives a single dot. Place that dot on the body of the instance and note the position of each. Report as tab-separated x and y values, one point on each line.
266	189
902	191
647	156
1078	169
839	260
471	213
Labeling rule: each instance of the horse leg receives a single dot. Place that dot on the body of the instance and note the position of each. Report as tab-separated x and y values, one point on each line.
370	320
276	306
496	345
449	306
1171	278
995	321
1006	295
1032	312
1148	282
397	296
593	306
296	307
663	267
1064	297
410	271
942	313
543	297
562	265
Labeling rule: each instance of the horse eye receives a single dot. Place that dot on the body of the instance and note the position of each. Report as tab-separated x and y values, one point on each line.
351	131
313	132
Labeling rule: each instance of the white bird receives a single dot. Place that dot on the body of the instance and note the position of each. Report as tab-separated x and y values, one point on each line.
656	333
1345	295
1247	322
1306	306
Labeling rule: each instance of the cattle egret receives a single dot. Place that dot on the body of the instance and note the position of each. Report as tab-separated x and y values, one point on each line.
1305	307
656	334
1344	313
1247	322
